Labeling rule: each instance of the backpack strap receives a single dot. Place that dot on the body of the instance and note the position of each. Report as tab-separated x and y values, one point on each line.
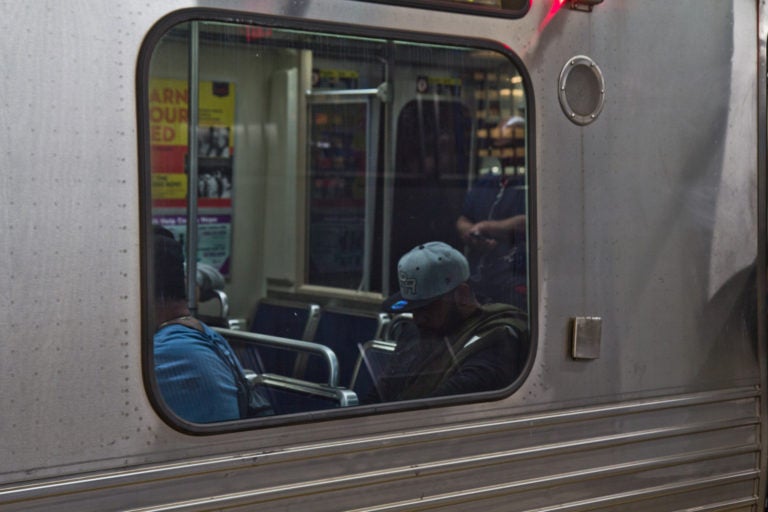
250	403
492	317
488	329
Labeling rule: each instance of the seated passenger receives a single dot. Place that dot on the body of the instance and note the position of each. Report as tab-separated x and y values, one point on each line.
461	346
199	376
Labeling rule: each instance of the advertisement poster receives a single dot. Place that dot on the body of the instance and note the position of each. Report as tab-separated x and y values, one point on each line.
169	114
214	236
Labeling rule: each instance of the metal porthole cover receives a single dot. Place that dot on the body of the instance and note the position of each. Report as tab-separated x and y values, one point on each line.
581	90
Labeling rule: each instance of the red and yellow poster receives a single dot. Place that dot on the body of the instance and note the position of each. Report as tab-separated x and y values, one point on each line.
168	127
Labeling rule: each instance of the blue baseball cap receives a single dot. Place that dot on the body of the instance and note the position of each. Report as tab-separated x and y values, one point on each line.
425	273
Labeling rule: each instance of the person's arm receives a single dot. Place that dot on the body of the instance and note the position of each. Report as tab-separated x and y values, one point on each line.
502	227
471	235
464	227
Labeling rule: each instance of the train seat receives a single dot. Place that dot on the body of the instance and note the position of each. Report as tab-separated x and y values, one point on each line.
287	394
285	319
372	361
374	356
399	327
345	332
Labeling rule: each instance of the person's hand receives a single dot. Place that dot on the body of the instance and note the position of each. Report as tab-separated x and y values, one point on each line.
478	239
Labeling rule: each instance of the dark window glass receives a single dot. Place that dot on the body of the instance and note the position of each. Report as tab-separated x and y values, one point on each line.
316	162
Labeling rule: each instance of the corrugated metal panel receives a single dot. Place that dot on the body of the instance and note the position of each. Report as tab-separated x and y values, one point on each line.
665	454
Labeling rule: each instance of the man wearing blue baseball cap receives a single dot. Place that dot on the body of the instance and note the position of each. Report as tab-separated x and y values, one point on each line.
462	347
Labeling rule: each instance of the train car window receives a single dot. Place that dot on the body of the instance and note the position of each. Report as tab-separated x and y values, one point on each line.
282	225
497	8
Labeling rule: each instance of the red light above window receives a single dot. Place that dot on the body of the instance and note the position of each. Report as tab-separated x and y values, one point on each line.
556	6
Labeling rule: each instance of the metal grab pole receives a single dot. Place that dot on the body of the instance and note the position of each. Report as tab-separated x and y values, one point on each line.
194	94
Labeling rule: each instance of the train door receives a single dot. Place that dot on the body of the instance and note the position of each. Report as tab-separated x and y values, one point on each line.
432	166
344	128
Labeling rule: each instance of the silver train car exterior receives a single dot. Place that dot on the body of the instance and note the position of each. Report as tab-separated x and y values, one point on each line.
643	157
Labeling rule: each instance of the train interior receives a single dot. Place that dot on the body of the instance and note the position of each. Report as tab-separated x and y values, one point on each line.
321	159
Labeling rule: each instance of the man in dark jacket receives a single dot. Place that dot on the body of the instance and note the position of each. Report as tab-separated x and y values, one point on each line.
461	346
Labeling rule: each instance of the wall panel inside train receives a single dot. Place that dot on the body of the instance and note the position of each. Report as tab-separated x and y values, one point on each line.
258	87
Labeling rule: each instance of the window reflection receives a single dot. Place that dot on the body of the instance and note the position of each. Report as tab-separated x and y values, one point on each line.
322	160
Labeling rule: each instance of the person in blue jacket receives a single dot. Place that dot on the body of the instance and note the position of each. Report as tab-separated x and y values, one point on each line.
197	372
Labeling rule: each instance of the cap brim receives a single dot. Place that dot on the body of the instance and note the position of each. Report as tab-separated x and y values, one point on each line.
397	304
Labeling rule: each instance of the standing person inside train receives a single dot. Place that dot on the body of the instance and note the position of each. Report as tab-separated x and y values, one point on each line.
492	225
197	372
461	347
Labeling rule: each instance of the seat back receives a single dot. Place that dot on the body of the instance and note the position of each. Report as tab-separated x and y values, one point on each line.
344	332
372	361
400	327
285	319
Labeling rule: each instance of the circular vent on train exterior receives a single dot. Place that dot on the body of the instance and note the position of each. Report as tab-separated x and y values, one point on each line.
581	90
